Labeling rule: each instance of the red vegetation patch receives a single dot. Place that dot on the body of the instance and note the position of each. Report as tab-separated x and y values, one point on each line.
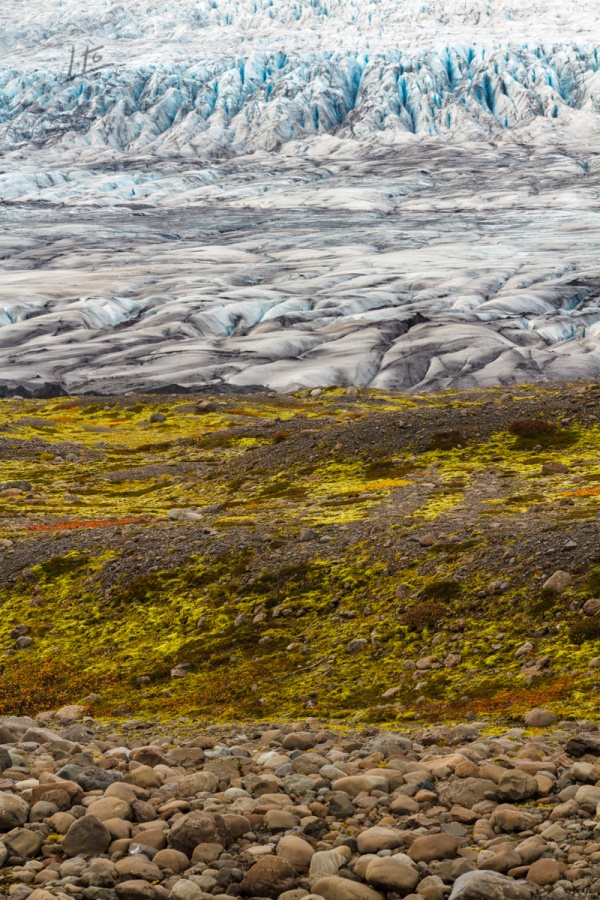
88	523
32	685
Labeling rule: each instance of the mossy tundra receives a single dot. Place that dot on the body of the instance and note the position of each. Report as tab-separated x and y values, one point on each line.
352	556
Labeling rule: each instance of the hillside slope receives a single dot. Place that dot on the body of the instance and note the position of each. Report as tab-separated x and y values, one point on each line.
358	555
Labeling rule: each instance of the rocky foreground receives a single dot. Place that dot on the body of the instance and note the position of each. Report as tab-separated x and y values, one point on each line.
136	810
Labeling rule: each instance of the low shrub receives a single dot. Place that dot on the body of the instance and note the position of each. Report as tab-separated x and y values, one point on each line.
425	615
537	432
586	630
445	440
440	590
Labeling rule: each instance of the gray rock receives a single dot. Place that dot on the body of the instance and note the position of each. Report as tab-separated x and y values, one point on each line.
91	778
301	785
540	718
588	797
21	842
40	736
488	886
198	828
339	805
516	785
355	646
13	811
584	743
467	792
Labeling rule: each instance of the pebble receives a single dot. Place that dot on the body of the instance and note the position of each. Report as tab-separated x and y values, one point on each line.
148	811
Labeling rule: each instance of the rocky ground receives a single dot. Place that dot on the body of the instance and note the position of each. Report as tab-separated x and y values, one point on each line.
143	810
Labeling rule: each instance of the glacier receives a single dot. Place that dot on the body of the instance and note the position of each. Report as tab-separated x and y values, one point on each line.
298	193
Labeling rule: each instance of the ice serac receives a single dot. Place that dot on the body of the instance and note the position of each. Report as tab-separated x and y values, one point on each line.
313	192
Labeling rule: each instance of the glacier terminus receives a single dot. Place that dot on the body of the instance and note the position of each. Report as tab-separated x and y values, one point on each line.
296	193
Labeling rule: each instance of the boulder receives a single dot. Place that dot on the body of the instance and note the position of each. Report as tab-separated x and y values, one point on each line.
488	886
295	851
325	862
516	785
433	846
508	818
353	785
198	828
13	811
299	740
332	887
467	792
545	871
87	836
136	889
269	877
588	797
378	838
196	784
584	743
389	874
21	842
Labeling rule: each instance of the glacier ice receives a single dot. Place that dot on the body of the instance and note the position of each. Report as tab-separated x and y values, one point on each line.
299	193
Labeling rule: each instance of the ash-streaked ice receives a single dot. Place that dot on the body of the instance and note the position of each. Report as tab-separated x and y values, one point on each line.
395	194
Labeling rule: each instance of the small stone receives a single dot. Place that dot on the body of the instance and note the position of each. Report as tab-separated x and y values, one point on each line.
325	862
554	468
355	646
591	607
23	642
558	582
157	417
181	670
